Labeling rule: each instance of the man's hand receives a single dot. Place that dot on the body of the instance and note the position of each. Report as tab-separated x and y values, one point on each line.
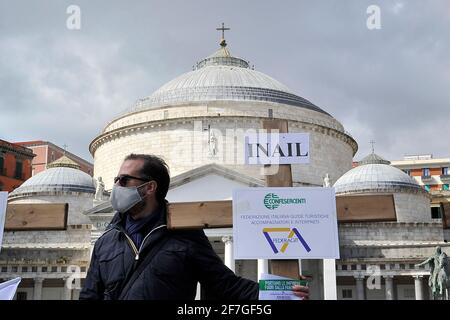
301	291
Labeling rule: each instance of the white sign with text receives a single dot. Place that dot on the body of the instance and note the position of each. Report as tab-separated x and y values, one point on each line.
285	223
276	148
8	288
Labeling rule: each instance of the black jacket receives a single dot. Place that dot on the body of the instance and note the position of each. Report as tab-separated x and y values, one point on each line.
185	258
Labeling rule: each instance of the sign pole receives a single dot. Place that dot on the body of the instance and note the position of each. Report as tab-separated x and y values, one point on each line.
283	178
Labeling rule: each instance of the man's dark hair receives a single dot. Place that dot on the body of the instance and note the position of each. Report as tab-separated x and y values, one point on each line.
156	169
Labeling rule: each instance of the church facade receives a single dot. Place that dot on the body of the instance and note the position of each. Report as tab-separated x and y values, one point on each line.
196	123
189	121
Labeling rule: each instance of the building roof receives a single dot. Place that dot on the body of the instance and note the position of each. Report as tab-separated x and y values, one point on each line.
31	143
64	162
422	163
62	175
38	143
373	158
214	168
374	174
16	149
222	76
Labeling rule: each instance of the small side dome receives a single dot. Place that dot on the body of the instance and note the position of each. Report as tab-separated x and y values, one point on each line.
62	175
375	174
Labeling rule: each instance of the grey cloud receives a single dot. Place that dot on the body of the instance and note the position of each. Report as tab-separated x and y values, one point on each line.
390	85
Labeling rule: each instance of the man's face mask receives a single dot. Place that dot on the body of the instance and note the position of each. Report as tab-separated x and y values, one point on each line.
124	198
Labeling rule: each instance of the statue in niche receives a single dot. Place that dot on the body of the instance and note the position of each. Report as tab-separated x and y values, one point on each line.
100	189
326	181
212	144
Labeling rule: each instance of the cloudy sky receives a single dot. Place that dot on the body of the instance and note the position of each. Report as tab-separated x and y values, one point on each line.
391	85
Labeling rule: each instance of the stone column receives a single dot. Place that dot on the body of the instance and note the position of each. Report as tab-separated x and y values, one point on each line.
263	267
389	287
418	287
76	294
229	257
329	279
37	291
67	289
360	291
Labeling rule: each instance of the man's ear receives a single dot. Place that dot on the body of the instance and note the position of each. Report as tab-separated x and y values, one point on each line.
152	186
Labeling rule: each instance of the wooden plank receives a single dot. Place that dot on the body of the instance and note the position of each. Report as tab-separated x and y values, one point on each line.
36	216
218	214
285	268
200	215
283	178
365	208
276	125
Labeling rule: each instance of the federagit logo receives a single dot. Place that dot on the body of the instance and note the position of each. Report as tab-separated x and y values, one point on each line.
293	236
272	201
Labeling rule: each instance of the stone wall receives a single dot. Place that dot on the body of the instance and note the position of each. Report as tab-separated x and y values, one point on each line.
184	145
412	207
389	240
66	238
447	234
414	251
225	109
388	232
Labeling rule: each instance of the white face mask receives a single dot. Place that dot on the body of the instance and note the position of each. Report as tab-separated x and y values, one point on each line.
124	198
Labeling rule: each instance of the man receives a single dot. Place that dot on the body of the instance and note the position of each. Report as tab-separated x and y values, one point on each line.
139	258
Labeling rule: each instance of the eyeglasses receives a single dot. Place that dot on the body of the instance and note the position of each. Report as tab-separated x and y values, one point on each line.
124	178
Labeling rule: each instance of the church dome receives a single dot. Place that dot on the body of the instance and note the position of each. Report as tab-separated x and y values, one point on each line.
375	174
62	175
222	96
222	76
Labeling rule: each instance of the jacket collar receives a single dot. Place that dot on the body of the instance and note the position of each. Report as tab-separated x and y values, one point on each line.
118	219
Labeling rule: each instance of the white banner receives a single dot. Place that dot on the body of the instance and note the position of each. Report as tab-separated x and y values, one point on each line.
8	288
276	148
285	223
3	203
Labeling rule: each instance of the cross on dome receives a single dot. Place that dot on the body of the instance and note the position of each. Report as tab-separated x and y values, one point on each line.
223	29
